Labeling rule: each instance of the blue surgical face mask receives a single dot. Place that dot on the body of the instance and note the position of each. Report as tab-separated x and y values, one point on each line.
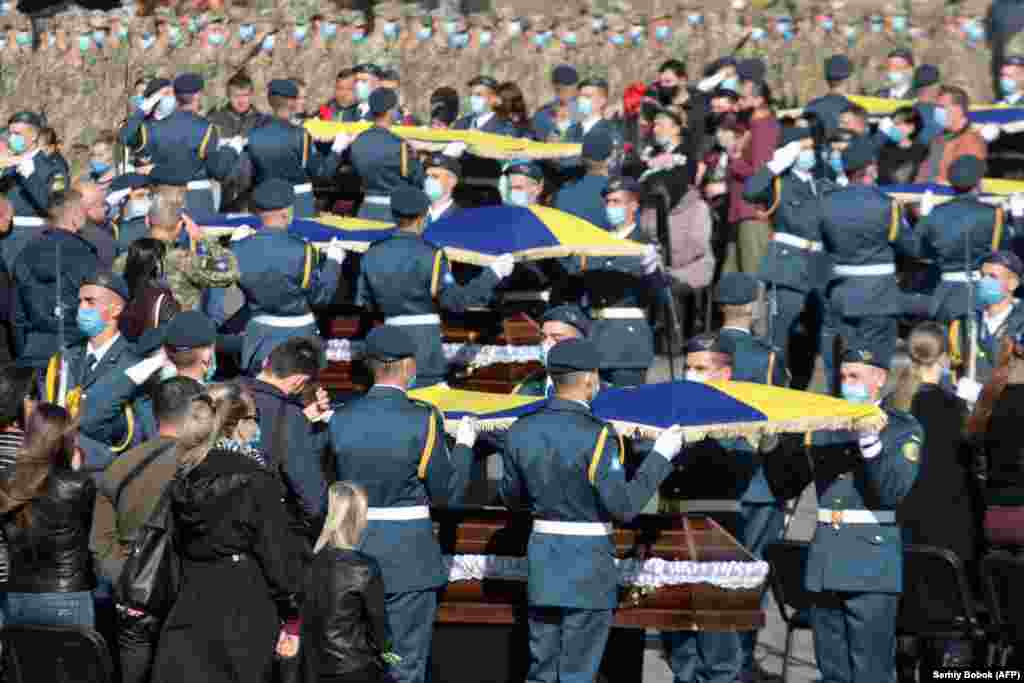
84	43
99	37
17	143
540	39
358	36
486	38
828	25
363	90
211	370
246	32
941	117
616	215
300	32
584	106
328	30
895	135
147	41
174	33
451	26
137	208
855	393
990	291
835	160
663	142
478	104
90	322
216	39
899	24
137	101
424	33
23	38
432	186
757	34
898	77
391	30
974	32
518	198
694	19
618	39
1008	86
806	161
99	168
662	33
731	83
877	26
569	38
165	107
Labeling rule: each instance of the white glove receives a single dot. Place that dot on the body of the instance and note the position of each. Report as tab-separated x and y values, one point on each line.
116	198
990	132
335	252
149	104
927	202
341	143
785	157
968	389
241	232
711	82
885	125
503	266
142	371
669	443
650	260
1017	204
454	149
870	444
26	167
465	435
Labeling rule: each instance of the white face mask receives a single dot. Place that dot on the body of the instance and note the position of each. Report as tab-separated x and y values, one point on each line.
545	349
695	376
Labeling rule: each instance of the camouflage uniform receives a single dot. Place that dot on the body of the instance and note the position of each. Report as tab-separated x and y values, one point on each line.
189	274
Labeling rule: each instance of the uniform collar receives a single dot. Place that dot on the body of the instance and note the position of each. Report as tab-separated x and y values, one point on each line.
388	387
437	211
565	404
735	329
102	351
589	124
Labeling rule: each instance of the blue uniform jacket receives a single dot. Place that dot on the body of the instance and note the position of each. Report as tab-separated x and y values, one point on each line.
183	147
384	162
545	128
495	125
303	280
32	196
280	149
828	108
755	359
583	199
564	464
796	211
395	448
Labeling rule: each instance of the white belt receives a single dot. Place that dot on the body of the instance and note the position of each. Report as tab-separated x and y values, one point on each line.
199	185
285	320
526	296
960	276
619	314
798	242
304	188
405	320
544	526
866	271
378	200
708	505
837	517
402	514
28	221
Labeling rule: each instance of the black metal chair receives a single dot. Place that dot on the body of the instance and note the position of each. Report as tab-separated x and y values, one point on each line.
56	654
937	600
788	562
1002	577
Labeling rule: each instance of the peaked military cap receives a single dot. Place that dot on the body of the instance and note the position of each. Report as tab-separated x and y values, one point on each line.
190	330
927	74
878	355
710	343
966	172
859	155
283	87
622	184
389	343
448	163
569	314
110	281
486	81
382	100
188	84
273	194
1006	259
838	68
408	201
28	117
902	53
564	74
526	168
736	289
751	70
573	355
597	145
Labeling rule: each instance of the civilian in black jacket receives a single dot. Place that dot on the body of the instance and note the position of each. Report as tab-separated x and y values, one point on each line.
902	152
345	635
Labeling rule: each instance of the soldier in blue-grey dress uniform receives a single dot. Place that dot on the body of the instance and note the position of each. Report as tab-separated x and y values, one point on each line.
407	279
572	578
755	359
382	159
281	149
583	198
282	276
855	565
559	323
395	448
795	268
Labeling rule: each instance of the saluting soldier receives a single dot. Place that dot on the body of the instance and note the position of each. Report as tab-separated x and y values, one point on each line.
382	159
572	584
855	565
395	448
281	149
408	280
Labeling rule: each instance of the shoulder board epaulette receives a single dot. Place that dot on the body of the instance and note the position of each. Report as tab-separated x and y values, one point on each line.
424	404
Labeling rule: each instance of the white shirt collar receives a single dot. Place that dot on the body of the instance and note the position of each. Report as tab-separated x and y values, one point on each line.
390	386
364	108
590	123
624	230
102	351
482	120
438	209
900	92
738	329
993	323
802	175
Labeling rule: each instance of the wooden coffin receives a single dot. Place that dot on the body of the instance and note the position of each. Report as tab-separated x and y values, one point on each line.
696	606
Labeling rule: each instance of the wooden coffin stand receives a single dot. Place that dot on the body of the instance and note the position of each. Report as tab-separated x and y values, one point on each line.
481	630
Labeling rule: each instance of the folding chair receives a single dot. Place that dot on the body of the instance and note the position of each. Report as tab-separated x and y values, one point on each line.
1002	574
788	562
55	654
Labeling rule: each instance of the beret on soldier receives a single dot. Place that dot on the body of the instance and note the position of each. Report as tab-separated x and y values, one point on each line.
111	281
878	355
408	201
564	74
1006	259
282	87
966	172
448	163
837	68
188	84
190	330
927	74
597	145
389	343
858	155
569	314
273	194
382	100
526	168
622	184
155	85
736	289
573	355
711	343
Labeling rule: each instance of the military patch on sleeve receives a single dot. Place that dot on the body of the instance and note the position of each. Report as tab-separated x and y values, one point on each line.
912	451
615	464
59	183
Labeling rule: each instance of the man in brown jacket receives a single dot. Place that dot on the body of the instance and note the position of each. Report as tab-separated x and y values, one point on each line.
957	139
122	509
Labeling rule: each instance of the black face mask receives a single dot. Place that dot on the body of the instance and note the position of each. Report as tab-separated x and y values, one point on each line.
667	95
